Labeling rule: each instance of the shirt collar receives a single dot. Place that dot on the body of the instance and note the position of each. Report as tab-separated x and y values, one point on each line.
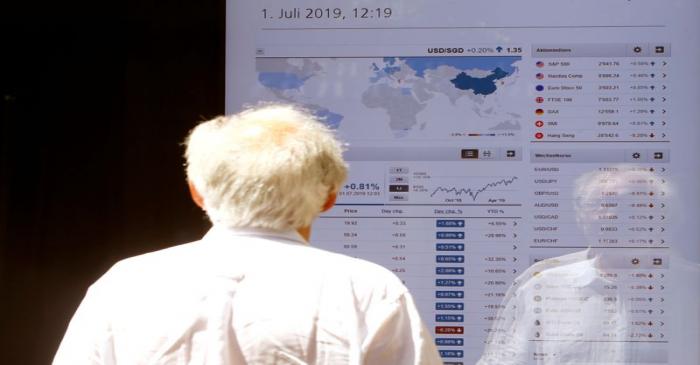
219	233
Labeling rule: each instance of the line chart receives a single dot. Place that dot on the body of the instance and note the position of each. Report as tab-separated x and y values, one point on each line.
473	193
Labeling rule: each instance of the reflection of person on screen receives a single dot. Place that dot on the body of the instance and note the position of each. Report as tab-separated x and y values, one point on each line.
581	308
559	310
252	291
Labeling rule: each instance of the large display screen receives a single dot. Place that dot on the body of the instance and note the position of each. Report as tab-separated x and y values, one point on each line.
529	169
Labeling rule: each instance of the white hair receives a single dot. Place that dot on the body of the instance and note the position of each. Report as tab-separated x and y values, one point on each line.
271	166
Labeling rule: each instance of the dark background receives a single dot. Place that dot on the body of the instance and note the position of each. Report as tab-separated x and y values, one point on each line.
95	99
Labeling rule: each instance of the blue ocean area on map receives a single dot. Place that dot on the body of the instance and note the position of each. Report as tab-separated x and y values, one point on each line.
281	80
421	64
479	85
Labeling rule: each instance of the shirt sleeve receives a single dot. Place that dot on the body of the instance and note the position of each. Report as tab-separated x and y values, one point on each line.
88	339
400	337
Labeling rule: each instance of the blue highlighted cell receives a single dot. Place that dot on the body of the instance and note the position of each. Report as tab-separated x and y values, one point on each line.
449	246
449	306
449	235
449	271
449	258
449	342
452	354
449	294
449	318
449	282
450	223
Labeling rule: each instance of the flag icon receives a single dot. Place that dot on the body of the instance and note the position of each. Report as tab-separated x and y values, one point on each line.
539	135
540	64
539	87
539	76
539	124
539	100
539	111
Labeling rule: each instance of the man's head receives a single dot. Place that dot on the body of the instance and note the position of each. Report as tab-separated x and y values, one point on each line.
272	166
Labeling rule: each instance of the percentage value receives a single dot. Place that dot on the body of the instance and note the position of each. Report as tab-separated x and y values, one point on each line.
362	186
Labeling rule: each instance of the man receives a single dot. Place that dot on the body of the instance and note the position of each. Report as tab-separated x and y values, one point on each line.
252	291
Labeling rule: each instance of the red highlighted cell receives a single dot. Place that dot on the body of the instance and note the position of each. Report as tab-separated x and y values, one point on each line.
455	330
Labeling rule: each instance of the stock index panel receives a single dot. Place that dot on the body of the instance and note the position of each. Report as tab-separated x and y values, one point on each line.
528	169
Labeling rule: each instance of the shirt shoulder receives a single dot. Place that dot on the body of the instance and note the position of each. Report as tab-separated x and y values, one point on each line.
250	257
146	270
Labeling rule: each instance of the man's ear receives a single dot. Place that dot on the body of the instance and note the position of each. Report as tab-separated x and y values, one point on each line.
330	201
196	196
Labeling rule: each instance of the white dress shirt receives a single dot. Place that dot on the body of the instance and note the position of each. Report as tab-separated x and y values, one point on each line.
246	297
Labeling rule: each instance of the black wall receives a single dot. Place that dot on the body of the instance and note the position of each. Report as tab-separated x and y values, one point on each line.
95	99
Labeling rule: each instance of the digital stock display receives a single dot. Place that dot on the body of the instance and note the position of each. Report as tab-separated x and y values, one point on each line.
529	169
